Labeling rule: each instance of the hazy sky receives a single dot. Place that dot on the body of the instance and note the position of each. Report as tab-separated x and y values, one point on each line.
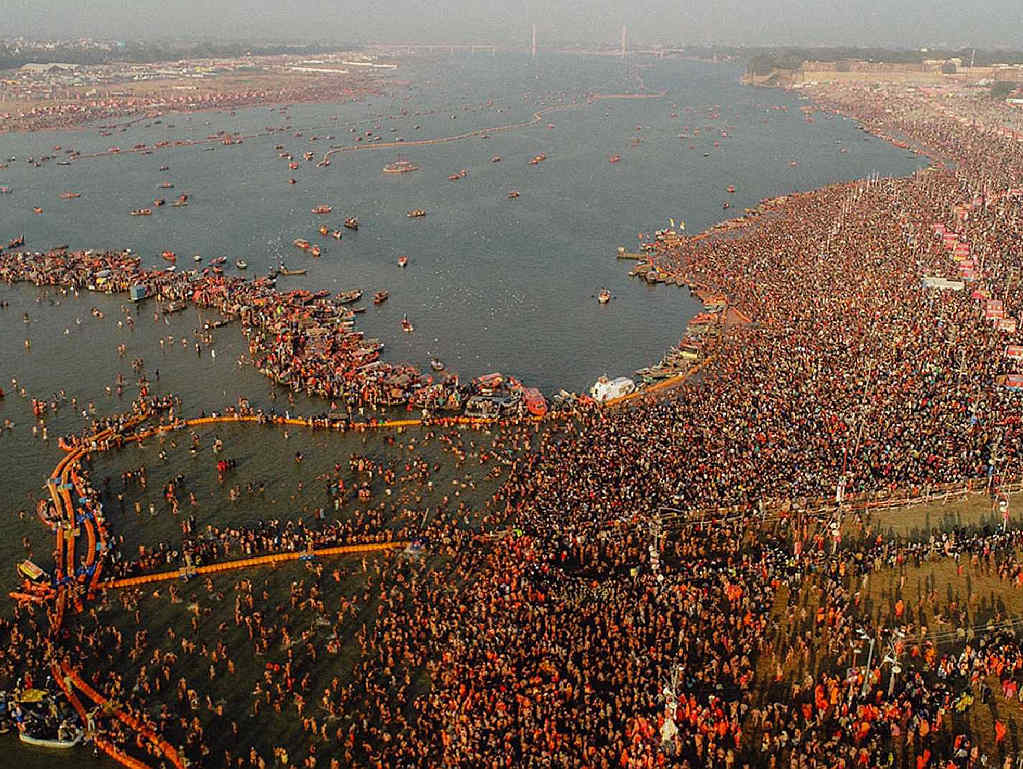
909	23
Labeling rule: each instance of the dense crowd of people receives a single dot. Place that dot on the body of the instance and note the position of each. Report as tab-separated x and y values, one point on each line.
586	617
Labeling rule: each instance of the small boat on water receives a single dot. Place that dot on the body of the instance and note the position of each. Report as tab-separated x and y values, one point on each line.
352	223
348	297
323	229
166	186
241	264
538	159
219	261
197	258
15	242
406	324
291	181
726	204
70	195
31	571
402	261
300	243
614	158
495	159
416	213
164	168
604	296
285	271
5	190
400	166
170	256
336	234
436	364
37	210
142	212
322	209
67	737
380	297
513	194
731	188
314	251
159	202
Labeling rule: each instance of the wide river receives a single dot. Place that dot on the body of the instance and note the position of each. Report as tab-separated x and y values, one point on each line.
491	284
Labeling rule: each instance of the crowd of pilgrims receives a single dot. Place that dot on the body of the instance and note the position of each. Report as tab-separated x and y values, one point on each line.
568	624
302	340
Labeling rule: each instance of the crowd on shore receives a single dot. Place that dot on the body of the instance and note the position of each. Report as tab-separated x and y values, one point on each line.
304	341
76	108
576	622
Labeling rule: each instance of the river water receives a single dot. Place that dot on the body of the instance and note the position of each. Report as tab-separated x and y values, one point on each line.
492	283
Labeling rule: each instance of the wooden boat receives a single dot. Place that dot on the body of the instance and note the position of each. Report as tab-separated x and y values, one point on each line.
352	223
285	271
604	296
347	297
322	209
68	741
31	571
70	195
406	325
142	212
323	229
402	261
415	213
513	194
241	264
380	297
314	251
170	256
